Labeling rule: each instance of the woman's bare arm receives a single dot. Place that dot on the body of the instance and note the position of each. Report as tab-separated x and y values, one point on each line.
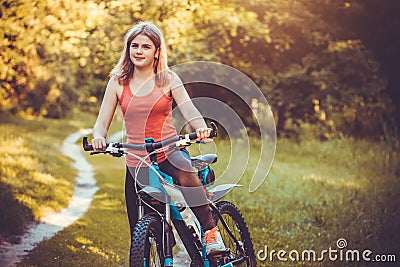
105	115
187	108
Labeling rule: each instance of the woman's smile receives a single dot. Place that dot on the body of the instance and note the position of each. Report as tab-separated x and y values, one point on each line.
142	51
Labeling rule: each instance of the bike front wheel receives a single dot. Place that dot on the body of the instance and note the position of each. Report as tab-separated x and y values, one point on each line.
243	248
146	243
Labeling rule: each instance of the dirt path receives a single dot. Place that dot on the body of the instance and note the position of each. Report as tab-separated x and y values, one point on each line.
85	188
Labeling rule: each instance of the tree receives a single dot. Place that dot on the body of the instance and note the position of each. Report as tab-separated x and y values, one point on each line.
313	67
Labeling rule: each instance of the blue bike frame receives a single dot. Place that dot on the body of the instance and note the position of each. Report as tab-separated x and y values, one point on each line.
173	215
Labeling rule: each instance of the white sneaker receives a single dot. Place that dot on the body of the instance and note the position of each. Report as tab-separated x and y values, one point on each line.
214	240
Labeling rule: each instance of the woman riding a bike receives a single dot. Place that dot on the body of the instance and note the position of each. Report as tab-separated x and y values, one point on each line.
144	87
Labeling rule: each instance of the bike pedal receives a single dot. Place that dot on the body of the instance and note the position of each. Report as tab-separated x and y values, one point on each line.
215	254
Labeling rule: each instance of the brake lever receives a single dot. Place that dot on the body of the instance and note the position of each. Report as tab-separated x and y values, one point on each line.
114	150
214	131
117	155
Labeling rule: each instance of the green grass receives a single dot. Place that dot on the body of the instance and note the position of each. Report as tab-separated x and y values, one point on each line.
318	192
34	177
101	236
315	194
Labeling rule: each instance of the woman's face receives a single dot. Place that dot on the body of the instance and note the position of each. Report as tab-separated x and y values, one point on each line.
142	51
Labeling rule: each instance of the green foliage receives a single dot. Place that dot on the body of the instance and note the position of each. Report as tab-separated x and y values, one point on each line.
313	67
341	90
39	54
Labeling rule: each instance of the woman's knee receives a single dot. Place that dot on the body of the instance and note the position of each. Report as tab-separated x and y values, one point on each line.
180	161
188	179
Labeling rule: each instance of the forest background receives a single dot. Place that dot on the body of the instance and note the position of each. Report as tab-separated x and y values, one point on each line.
331	64
328	68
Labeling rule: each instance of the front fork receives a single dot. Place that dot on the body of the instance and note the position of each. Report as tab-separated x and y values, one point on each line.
169	240
168	235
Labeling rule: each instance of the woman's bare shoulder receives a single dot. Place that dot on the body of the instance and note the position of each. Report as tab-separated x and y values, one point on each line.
174	79
113	81
114	86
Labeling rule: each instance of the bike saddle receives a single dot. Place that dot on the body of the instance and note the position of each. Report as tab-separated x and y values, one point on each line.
202	161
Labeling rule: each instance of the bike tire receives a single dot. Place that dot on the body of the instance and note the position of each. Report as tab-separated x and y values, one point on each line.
146	244
234	219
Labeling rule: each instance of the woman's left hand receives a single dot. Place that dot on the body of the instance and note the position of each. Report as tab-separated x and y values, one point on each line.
203	134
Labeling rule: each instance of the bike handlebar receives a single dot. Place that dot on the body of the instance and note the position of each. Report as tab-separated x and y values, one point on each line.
156	145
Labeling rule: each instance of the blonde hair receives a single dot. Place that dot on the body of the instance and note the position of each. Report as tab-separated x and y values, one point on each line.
124	69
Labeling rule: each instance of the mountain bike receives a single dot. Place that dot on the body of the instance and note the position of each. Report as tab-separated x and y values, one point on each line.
153	239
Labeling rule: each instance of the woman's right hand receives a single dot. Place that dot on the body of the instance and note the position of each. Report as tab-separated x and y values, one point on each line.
99	143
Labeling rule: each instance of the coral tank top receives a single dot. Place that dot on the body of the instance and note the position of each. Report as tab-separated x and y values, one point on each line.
146	116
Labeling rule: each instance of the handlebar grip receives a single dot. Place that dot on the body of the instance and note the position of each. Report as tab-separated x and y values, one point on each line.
192	136
85	144
213	133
